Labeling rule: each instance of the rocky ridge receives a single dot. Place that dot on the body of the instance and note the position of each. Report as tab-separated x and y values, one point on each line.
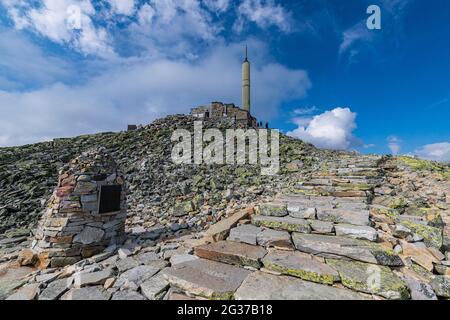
334	225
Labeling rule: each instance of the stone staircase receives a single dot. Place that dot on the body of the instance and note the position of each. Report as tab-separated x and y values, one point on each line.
315	242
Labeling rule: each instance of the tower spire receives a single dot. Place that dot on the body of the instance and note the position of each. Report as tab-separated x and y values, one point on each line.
246	82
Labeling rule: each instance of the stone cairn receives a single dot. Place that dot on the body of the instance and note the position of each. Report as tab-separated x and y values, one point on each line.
85	214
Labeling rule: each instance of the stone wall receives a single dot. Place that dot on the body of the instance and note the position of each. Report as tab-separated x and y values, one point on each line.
86	212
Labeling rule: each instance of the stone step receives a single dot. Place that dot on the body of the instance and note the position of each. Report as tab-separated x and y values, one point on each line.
231	252
345	248
282	223
264	286
356	232
320	199
274	209
300	265
321	227
347	179
331	191
336	186
307	204
265	237
347	172
358	218
206	278
275	238
369	278
246	233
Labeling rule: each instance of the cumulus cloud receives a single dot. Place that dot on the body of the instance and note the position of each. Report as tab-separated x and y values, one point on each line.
331	129
144	90
125	7
264	13
53	18
435	151
150	27
173	28
394	144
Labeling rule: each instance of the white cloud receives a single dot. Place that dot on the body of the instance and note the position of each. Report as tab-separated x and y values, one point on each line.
173	28
51	18
394	144
358	33
435	151
217	5
125	7
151	27
265	13
141	91
331	129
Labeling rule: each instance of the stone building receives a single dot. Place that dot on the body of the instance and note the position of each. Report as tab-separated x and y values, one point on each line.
226	114
229	113
86	212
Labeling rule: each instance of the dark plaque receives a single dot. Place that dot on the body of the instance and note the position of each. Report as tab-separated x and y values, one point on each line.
109	198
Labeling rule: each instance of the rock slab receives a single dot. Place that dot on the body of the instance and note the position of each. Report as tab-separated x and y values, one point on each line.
232	252
264	286
300	265
206	278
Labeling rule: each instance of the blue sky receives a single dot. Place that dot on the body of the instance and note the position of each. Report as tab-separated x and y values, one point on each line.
318	72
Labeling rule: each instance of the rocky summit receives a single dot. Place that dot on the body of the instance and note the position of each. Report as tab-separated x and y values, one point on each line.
331	225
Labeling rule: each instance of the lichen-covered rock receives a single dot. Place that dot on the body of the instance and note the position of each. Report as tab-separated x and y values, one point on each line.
361	250
273	209
441	285
264	286
300	265
282	223
432	236
383	214
370	278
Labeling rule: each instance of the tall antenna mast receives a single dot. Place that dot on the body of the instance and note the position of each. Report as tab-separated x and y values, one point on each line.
246	53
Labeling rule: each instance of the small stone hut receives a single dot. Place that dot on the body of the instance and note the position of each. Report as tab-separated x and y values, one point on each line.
225	113
86	212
